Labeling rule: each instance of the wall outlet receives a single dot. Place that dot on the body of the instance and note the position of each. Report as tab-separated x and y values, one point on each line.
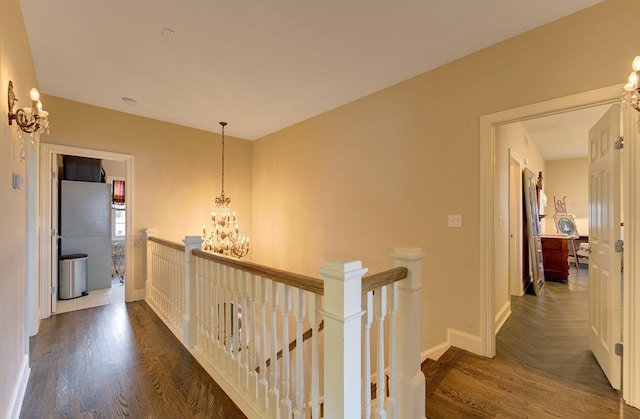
455	220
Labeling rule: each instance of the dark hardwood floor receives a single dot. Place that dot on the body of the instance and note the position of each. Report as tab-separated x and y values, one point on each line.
115	361
121	361
543	367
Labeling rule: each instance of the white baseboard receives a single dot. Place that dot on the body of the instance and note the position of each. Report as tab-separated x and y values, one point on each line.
139	295
466	341
502	316
434	352
18	393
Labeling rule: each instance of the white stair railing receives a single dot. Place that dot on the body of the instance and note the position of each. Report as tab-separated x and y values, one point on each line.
236	319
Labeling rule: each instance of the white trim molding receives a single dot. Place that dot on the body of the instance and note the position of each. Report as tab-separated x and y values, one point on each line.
464	340
13	410
502	316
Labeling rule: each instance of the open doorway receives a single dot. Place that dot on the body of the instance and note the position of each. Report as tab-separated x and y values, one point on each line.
631	157
121	167
550	331
92	219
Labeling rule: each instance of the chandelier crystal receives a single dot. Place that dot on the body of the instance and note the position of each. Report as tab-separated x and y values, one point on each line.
224	237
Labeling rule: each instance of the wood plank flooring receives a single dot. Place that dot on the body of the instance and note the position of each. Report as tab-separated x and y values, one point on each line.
543	367
117	361
121	361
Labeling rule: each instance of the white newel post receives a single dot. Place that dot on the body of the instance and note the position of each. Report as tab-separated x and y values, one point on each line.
149	291
342	342
411	381
189	326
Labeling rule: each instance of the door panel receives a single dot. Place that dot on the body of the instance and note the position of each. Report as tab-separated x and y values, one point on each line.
604	230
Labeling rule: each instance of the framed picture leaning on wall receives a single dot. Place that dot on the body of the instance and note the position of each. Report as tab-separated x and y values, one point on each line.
566	224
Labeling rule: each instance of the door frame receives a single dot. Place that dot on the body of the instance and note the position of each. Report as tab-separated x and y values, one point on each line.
515	221
631	211
47	151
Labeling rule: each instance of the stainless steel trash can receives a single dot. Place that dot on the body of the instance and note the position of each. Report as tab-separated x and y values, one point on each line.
72	278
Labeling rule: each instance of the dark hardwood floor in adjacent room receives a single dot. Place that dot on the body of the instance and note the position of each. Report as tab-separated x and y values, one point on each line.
117	361
543	367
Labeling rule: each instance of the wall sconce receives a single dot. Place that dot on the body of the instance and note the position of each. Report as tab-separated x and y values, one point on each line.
29	119
632	84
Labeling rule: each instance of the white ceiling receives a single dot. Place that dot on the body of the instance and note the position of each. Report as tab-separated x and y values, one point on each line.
260	65
565	135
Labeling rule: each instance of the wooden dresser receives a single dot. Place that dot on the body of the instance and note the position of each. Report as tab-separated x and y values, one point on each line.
555	254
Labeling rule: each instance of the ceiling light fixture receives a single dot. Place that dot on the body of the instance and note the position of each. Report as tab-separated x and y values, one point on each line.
225	237
633	91
29	119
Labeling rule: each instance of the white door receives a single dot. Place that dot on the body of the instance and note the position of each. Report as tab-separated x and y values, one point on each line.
605	280
54	233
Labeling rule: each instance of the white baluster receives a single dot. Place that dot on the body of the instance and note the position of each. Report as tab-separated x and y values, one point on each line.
274	393
209	308
392	405
285	309
215	311
263	384
315	317
367	319
299	305
228	313
381	311
224	318
252	363
235	335
198	303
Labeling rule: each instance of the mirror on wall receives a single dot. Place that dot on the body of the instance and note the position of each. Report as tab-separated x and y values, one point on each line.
533	231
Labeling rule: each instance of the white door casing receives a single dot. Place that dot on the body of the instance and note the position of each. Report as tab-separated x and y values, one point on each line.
515	224
605	279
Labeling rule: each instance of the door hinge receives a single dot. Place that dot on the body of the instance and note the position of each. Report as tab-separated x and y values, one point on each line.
53	175
53	290
618	348
618	143
619	246
53	232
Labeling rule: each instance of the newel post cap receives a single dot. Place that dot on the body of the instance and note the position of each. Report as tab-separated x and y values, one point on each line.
409	254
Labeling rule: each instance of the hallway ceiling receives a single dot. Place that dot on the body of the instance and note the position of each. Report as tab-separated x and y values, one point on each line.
259	65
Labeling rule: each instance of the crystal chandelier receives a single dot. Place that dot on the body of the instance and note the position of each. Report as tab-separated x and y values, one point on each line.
225	237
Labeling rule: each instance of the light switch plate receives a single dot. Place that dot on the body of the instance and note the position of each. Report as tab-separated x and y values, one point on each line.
16	181
455	220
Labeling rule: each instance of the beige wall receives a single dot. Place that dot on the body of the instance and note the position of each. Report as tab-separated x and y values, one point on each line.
387	169
512	137
114	168
569	178
15	65
176	169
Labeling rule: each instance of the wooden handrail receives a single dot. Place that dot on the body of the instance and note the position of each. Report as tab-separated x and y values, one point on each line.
373	281
303	282
167	243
